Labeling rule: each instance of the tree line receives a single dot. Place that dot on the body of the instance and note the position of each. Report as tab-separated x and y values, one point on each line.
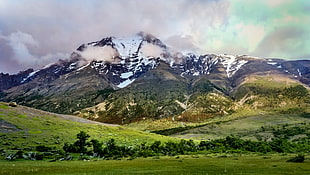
111	150
230	144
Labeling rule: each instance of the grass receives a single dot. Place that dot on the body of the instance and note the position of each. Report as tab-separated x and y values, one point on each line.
168	123
198	164
275	81
245	127
30	128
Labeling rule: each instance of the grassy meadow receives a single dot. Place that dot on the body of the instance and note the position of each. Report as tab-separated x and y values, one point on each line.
25	128
187	164
255	127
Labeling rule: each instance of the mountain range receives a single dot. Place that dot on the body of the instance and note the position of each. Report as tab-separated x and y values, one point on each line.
128	79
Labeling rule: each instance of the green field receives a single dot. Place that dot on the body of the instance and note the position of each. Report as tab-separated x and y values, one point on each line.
254	127
188	164
25	128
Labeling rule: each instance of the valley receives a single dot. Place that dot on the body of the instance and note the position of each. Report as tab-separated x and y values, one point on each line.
154	87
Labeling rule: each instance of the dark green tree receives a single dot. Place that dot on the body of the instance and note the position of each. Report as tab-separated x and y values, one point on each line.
79	146
82	142
97	146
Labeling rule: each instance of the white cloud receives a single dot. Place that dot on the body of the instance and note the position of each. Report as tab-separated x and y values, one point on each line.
106	53
20	42
151	50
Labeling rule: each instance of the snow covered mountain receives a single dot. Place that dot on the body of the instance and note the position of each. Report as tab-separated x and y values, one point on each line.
114	69
120	61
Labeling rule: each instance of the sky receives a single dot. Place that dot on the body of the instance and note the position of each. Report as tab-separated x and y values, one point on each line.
34	33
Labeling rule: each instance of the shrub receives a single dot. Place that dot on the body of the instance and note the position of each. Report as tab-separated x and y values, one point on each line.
298	159
42	148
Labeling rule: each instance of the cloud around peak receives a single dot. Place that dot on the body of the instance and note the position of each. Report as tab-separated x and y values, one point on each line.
37	32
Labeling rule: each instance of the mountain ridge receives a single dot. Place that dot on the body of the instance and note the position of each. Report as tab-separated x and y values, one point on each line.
140	77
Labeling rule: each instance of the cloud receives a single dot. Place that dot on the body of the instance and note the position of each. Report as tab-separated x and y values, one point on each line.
203	26
184	43
151	50
18	50
284	40
20	42
106	53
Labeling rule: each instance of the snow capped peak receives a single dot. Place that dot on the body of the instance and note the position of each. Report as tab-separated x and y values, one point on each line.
231	63
123	59
116	49
127	47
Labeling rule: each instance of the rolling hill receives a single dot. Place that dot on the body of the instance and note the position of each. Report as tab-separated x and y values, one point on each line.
24	128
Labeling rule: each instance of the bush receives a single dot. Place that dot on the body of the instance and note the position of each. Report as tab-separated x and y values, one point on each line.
42	148
298	159
13	156
33	156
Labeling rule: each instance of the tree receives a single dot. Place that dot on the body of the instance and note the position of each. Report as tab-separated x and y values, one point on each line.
82	143
156	146
97	146
296	92
79	146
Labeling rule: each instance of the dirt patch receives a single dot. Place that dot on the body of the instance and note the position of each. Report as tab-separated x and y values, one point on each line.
6	127
82	120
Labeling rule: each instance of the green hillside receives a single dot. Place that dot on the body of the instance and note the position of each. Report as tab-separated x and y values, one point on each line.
26	128
268	97
293	127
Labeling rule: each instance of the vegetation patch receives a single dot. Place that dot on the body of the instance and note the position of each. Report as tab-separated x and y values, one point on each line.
298	159
34	132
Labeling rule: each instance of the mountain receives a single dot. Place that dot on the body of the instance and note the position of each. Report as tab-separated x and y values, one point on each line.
129	79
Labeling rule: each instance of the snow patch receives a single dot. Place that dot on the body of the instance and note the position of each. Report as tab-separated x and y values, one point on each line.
29	75
299	73
126	75
83	67
125	83
239	65
231	64
272	63
127	46
72	66
196	74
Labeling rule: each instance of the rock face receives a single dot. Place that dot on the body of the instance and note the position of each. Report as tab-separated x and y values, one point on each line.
7	81
140	77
